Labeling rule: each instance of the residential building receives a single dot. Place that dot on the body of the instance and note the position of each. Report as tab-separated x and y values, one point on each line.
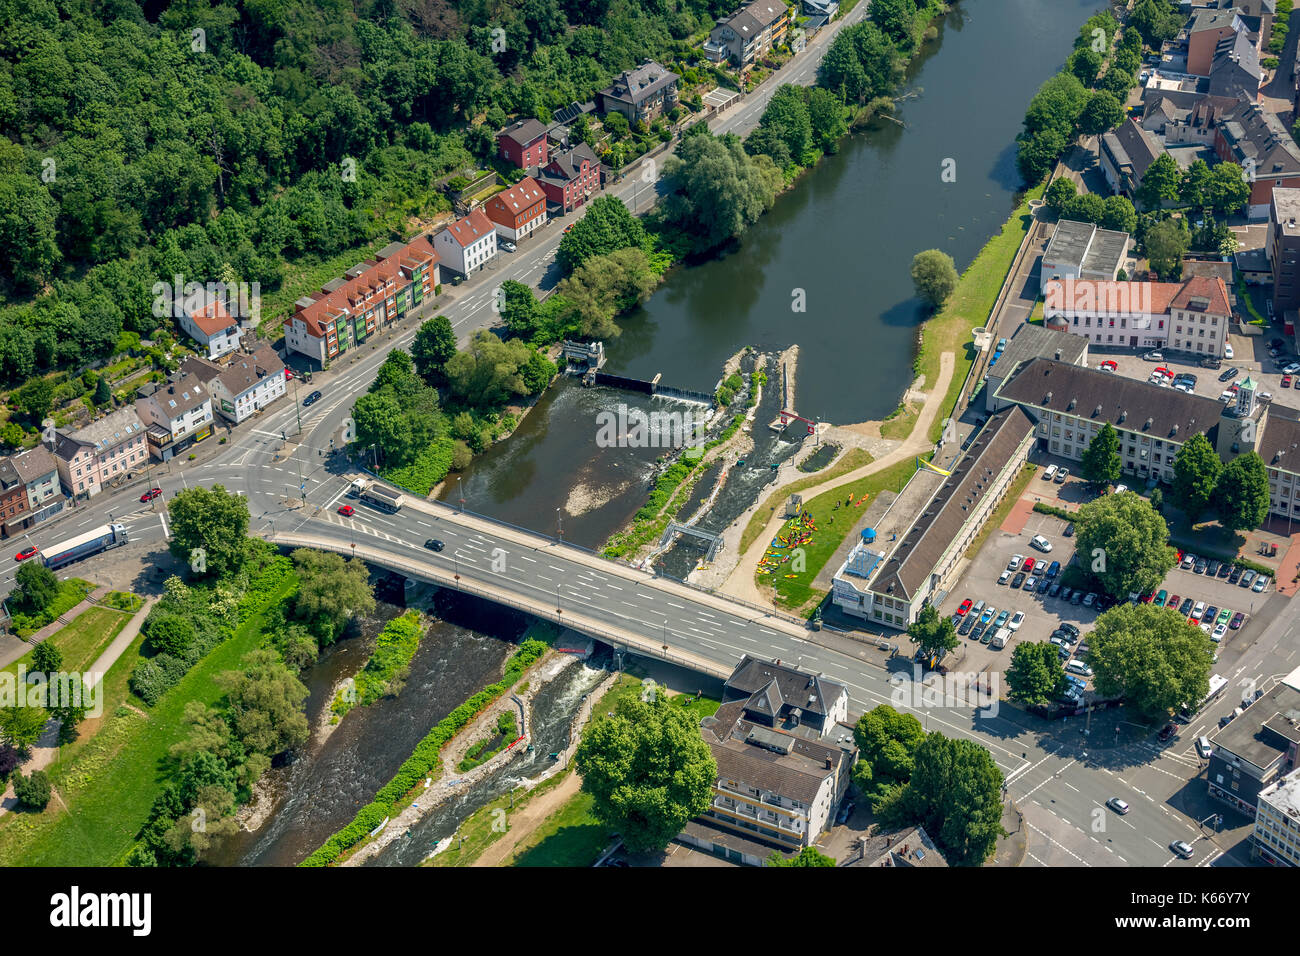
1126	154
1080	250
569	179
245	386
910	847
749	33
176	414
91	458
1235	70
212	327
1261	145
1257	749
1279	446
779	778
891	589
1277	822
517	211
369	297
1284	248
824	8
1207	28
1189	316
468	244
13	499
39	472
641	95
1030	342
524	144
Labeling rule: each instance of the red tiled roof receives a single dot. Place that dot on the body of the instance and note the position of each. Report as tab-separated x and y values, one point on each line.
1091	295
1204	287
351	296
517	198
212	318
465	232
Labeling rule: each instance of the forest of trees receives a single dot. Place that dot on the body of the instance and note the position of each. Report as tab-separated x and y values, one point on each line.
142	141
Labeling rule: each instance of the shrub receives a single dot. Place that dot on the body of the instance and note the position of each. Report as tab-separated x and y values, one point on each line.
33	792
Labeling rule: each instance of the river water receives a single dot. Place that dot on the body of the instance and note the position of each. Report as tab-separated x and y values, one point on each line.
844	237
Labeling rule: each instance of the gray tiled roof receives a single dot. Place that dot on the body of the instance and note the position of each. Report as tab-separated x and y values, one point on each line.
910	564
34	463
781	685
1279	445
111	430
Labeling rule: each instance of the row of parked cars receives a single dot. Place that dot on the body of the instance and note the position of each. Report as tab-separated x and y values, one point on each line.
985	623
1242	577
1215	621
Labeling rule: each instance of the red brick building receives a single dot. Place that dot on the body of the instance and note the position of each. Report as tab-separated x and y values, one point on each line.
517	211
524	144
571	178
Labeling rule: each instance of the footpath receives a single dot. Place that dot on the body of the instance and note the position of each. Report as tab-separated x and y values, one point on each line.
742	585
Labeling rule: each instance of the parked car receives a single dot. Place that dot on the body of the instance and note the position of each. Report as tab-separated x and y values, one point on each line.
1016	620
1291	369
1071	629
1286	381
1001	619
1229	373
1211	362
1061	475
1201	565
1219	633
151	494
1076	598
1198	611
1156	356
1246	579
1079	667
1211	614
1108	366
1173	602
1069	530
1213	568
988	614
508	246
1054	590
1043	585
1054	569
1031	582
1185	609
987	636
980	628
1261	582
964	607
1160	598
1018	580
1235	575
1189	561
1090	599
1028	566
967	623
1224	570
346	510
978	608
1060	643
1225	615
1015	562
1041	543
1167	731
1049	473
1004	577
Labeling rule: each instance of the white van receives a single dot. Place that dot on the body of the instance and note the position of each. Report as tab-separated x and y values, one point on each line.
1001	637
1203	747
1050	473
1079	667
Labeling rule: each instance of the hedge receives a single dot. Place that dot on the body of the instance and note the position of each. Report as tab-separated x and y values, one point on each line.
423	759
1043	509
394	649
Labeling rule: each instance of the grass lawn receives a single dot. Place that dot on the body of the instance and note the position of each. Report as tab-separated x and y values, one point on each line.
571	836
796	592
970	306
852	459
82	641
1018	486
475	835
110	784
900	422
71	593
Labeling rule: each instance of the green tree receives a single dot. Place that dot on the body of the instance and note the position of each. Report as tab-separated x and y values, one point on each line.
1101	463
955	793
606	227
1124	543
1060	194
519	305
433	346
46	658
886	743
1195	188
1160	182
265	700
1035	675
1088	207
826	114
36	585
1104	112
20	727
603	287
1241	494
1196	475
932	634
1085	63
168	631
1150	657
616	125
648	771
1227	188
715	190
487	374
787	115
35	398
33	791
1156	21
1119	214
861	64
1166	243
896	19
808	856
209	530
934	276
331	591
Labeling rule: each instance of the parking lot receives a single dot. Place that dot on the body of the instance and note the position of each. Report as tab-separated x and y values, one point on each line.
1250	357
1043	614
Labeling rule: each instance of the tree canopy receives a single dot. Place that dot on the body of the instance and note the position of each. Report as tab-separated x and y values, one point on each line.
209	530
1124	543
1151	657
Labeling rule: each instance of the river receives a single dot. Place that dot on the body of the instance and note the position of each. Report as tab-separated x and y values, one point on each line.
844	235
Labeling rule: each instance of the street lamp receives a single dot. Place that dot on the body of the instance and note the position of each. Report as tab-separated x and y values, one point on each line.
559	522
460	494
